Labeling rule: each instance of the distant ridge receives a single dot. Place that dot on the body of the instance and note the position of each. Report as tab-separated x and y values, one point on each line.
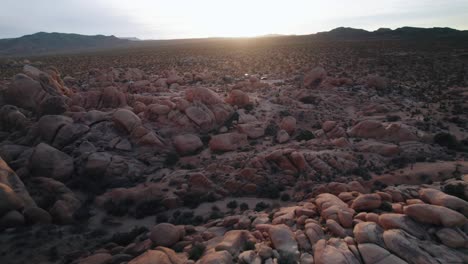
346	33
46	43
43	43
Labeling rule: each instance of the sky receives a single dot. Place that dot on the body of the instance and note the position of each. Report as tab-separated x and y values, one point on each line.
169	19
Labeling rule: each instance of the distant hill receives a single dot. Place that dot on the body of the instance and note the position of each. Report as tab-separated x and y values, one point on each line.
130	38
43	43
48	43
346	33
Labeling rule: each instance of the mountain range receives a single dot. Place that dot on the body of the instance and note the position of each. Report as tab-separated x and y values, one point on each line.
43	43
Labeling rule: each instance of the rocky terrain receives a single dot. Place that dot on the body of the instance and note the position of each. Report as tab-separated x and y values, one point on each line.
264	150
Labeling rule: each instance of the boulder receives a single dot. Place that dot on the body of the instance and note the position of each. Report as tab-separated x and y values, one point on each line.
314	77
368	232
334	251
288	124
434	214
234	242
228	141
203	95
437	197
401	244
165	235
9	200
404	222
452	237
11	219
367	202
187	144
372	253
98	258
217	257
238	98
283	240
47	161
126	120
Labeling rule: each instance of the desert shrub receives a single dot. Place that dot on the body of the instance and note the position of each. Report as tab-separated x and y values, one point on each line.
171	159
392	118
249	245
457	190
271	130
386	206
118	208
244	206
232	205
269	191
261	206
285	197
184	218
399	162
216	214
196	251
304	135
446	140
286	258
362	172
125	238
197	220
146	208
162	218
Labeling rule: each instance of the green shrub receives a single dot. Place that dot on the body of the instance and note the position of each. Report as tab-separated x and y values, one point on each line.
261	206
446	140
196	251
285	197
232	205
244	206
305	135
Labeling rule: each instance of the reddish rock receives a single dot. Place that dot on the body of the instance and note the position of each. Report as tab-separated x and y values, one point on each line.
187	144
367	202
288	124
165	235
228	142
238	98
313	78
436	215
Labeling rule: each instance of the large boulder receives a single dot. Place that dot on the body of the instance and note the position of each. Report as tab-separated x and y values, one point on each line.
437	197
283	240
334	251
369	232
228	141
165	234
404	222
217	257
202	94
23	85
187	143
47	161
126	120
375	254
288	124
160	255
374	129
401	244
434	214
9	200
314	77
234	241
238	98
365	202
332	207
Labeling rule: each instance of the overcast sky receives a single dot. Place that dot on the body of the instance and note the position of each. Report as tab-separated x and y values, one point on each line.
164	19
